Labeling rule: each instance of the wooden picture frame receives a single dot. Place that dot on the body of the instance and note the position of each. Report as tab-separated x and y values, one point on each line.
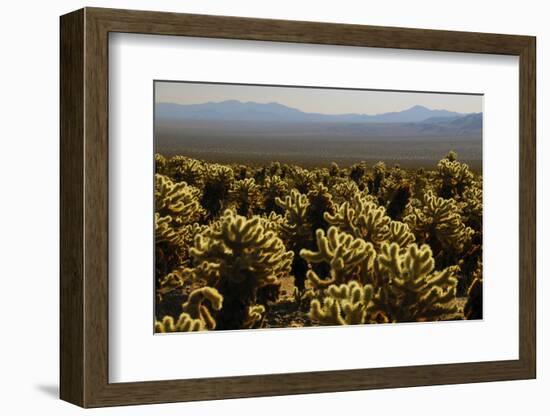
84	207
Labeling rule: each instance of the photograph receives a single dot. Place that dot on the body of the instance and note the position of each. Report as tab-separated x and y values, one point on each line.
287	206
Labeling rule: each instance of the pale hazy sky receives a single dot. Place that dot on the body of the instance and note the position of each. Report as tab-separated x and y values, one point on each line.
316	100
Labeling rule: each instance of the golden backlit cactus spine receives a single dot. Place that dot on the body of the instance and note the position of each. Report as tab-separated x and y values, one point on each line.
181	169
274	187
438	222
254	317
178	200
196	308
345	304
376	213
296	231
218	180
177	211
245	257
245	195
454	176
349	258
409	289
183	324
363	218
195	315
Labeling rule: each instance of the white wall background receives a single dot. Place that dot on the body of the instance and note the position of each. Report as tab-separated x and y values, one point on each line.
29	160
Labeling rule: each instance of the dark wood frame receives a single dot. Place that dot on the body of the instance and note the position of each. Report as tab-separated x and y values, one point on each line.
84	209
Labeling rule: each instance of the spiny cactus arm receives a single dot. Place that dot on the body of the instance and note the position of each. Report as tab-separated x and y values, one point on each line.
166	324
443	278
374	222
198	296
184	324
413	291
401	234
317	282
389	260
255	315
195	308
344	218
324	252
347	257
346	304
295	205
179	200
328	313
164	230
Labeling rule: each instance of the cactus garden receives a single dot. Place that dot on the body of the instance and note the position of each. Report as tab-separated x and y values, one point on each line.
270	235
241	247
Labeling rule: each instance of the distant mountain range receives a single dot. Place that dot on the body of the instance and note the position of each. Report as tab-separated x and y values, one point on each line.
238	119
251	111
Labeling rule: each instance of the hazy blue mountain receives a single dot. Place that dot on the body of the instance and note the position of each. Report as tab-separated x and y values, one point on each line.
233	110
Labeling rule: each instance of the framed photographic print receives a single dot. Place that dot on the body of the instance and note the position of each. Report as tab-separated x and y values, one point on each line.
255	207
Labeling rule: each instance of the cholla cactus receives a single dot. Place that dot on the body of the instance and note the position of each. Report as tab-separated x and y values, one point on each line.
303	179
401	234
274	187
245	257
217	183
178	200
349	258
472	206
379	175
196	308
274	222
454	176
296	232
295	206
254	316
195	315
353	240
160	164
184	169
246	196
346	304
357	173
184	324
174	281
409	289
177	212
438	222
170	248
320	203
344	190
362	218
